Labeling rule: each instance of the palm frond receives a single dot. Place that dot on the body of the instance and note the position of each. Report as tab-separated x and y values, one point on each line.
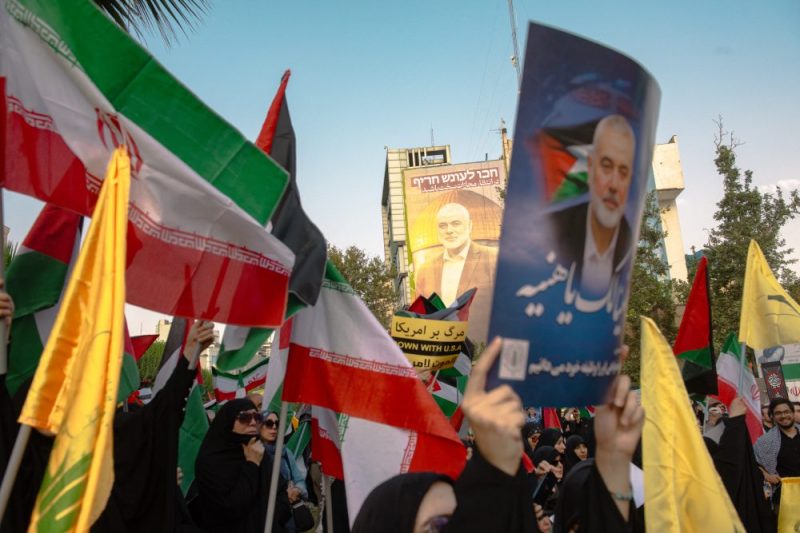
166	16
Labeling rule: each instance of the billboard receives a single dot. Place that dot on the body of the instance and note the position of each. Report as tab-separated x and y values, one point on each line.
453	216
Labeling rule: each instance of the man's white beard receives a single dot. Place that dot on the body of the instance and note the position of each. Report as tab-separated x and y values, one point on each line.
608	218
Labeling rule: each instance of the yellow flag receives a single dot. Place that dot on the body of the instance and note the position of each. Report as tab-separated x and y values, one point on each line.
770	316
682	489
789	514
74	391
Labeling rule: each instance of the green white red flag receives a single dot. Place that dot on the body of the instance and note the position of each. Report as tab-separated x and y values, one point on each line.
694	343
200	195
342	359
228	386
735	379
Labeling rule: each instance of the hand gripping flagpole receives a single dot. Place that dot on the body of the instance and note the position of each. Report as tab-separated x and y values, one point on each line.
24	431
276	467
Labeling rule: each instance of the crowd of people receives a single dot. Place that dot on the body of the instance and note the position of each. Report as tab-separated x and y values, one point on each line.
520	476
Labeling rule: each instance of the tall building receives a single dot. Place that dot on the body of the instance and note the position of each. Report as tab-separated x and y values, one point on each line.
669	183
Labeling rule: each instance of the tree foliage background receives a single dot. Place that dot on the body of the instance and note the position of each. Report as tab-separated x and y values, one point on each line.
370	277
150	361
652	292
744	213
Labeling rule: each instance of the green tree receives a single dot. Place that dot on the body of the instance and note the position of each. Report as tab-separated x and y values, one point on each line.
10	252
652	292
371	277
744	213
150	361
166	16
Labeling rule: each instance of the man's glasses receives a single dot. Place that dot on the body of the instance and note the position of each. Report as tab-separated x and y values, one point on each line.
435	524
270	424
782	413
246	418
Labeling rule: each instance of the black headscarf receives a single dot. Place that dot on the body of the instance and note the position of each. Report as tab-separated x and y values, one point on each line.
392	506
545	453
570	458
527	430
550	437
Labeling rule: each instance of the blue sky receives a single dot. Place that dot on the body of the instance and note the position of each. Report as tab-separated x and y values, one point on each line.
371	74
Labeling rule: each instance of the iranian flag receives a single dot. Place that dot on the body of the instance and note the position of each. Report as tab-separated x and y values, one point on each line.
734	379
228	386
74	86
35	280
342	359
694	343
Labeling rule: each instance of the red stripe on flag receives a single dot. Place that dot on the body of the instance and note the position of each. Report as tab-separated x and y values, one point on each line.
54	233
325	451
550	418
267	134
363	393
224	396
435	454
42	165
213	287
141	343
727	393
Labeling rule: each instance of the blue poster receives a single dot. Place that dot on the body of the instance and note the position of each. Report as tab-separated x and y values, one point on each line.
583	146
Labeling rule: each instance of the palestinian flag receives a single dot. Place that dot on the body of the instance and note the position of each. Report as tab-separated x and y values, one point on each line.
292	226
563	153
734	379
342	359
201	194
694	343
35	280
229	386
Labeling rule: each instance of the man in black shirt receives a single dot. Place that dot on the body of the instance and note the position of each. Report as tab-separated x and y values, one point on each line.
778	450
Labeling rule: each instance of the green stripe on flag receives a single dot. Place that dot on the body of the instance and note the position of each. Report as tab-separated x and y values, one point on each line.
24	352
139	88
700	357
791	371
35	282
193	430
129	379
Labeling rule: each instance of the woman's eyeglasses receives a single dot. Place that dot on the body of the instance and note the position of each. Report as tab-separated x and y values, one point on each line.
246	418
270	424
436	524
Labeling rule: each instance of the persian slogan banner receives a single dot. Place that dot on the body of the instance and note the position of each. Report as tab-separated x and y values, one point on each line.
774	380
429	344
453	215
583	148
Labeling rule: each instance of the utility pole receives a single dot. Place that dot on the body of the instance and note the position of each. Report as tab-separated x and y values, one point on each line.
515	57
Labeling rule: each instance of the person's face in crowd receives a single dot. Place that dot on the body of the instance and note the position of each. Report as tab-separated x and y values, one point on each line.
582	452
783	415
796	414
715	412
610	169
454	227
560	446
531	412
542	521
558	467
436	508
269	429
533	438
246	422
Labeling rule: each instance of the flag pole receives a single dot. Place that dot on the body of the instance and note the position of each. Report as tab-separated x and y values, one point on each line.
13	467
276	467
742	359
328	503
3	328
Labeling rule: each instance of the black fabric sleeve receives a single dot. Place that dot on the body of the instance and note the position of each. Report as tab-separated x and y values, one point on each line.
491	500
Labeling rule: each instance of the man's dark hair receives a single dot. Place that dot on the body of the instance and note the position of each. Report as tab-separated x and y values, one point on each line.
779	401
796	404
